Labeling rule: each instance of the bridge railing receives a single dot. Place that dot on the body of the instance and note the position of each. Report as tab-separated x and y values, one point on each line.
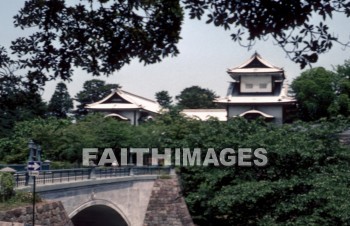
151	170
112	172
68	175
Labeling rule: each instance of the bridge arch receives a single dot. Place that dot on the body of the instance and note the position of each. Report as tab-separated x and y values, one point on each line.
95	208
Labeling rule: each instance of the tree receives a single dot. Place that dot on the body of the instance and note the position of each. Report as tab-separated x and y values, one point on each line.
61	103
164	99
196	97
287	22
305	182
62	140
323	93
295	188
19	97
101	36
93	90
341	105
314	92
7	186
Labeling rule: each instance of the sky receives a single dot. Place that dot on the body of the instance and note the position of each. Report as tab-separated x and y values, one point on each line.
206	52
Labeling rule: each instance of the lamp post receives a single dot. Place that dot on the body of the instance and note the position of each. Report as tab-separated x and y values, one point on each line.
34	157
31	147
38	153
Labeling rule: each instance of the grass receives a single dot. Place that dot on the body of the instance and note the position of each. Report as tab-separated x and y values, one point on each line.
10	204
165	176
20	199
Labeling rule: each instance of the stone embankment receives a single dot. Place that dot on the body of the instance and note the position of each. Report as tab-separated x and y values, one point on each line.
47	214
167	206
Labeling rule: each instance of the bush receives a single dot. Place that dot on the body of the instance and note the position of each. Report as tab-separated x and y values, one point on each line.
24	197
7	185
63	165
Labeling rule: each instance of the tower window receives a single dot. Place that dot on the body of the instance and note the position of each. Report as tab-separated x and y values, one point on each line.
263	85
249	86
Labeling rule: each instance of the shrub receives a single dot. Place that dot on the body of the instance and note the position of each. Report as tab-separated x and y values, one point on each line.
7	185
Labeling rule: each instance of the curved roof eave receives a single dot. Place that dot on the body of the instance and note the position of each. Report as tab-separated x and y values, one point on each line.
256	112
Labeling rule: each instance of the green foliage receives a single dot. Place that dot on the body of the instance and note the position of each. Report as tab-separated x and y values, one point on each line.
19	199
305	182
7	185
164	99
92	131
306	170
254	20
196	97
147	30
45	132
63	165
321	93
26	197
342	89
62	140
314	91
61	103
150	30
165	176
19	97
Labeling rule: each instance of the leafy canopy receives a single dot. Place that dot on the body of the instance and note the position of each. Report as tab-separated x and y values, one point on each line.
98	36
314	93
61	103
101	36
323	93
19	96
163	98
305	182
196	97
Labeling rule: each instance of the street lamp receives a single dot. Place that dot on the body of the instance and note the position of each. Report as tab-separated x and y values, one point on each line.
34	155
31	147
38	153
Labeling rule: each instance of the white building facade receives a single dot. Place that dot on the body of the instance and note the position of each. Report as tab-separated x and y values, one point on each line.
126	106
258	89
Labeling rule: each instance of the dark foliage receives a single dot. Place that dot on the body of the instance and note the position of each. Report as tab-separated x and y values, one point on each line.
196	97
164	99
61	103
98	36
19	97
101	36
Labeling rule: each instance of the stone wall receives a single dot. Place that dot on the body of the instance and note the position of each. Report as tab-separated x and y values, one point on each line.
47	214
167	206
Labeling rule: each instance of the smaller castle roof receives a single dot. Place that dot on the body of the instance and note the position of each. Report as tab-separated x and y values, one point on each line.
256	64
257	113
121	100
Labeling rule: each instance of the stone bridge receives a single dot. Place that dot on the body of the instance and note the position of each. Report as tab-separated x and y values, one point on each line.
121	201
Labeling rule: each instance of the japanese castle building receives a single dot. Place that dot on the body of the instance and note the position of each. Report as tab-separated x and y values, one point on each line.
257	89
126	106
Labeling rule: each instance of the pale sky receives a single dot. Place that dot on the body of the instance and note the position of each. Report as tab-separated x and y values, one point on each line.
206	52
